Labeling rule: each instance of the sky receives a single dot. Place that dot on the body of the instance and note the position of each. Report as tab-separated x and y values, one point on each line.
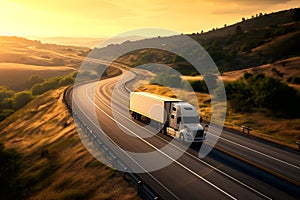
105	18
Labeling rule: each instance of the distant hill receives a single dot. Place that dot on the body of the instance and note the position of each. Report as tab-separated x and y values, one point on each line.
260	40
21	58
74	41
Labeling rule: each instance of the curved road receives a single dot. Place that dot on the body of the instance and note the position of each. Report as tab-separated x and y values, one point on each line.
262	171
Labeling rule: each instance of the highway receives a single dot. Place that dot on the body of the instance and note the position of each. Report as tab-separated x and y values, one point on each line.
237	168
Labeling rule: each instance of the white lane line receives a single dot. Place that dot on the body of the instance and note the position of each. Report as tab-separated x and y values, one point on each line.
248	148
163	153
95	125
191	155
253	150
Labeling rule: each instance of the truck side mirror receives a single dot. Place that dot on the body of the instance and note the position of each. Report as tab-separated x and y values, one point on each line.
178	120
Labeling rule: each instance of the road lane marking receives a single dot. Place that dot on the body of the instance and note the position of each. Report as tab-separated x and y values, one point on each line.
250	149
166	155
162	185
245	147
198	159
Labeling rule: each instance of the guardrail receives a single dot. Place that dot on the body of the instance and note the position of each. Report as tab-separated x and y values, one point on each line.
298	144
144	190
246	128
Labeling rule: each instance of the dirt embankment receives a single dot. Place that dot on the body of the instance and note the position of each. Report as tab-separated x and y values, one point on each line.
57	165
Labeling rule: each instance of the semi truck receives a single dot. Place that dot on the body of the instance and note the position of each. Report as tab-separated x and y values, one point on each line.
171	116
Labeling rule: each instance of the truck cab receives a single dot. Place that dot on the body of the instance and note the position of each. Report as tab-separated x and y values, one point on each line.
184	123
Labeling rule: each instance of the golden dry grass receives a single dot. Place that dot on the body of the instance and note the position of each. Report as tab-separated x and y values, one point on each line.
68	171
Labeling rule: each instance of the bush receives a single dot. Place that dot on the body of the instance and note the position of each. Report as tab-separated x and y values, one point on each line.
7	103
67	80
50	84
5	93
263	92
37	89
22	98
199	86
32	81
167	80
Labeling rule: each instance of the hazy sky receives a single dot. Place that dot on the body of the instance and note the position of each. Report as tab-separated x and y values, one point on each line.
103	18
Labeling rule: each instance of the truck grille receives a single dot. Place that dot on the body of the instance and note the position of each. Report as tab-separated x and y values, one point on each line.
200	133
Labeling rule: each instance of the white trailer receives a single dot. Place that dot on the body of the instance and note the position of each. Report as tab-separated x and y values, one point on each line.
174	117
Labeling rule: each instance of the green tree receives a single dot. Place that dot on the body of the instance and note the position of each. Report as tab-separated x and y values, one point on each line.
37	89
67	80
5	93
263	92
22	98
199	86
7	103
33	80
169	80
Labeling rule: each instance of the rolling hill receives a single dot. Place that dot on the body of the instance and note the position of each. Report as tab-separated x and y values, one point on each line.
260	40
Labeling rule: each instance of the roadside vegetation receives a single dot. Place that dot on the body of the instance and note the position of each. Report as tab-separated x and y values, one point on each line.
53	163
263	92
265	103
11	101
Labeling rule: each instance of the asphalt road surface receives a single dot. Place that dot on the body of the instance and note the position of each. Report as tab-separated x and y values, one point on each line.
239	167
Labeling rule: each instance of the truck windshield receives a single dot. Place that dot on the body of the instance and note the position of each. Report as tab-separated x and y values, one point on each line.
190	120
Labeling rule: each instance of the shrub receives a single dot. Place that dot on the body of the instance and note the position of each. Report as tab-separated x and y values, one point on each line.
50	84
5	93
37	89
199	86
7	103
263	92
67	80
167	80
22	98
33	80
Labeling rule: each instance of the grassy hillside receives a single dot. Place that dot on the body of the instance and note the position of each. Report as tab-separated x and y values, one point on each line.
55	163
260	40
283	69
